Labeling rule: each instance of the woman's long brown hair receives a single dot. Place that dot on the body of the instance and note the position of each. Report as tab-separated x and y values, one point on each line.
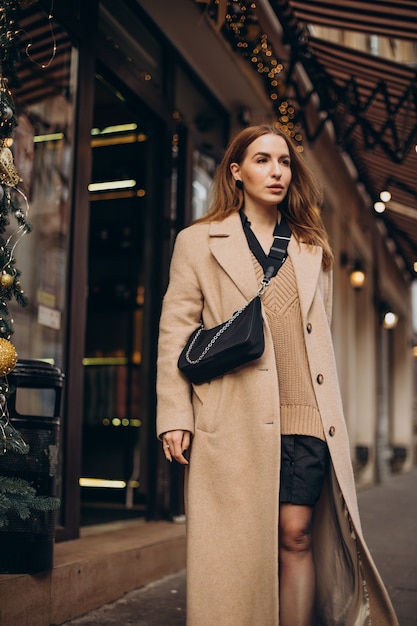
301	206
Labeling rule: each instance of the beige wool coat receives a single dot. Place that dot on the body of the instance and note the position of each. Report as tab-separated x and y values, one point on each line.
233	477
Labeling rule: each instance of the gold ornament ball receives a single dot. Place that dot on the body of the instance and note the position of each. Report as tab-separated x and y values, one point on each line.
6	280
8	357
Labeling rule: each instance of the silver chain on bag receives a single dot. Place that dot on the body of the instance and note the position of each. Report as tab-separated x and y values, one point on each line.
264	284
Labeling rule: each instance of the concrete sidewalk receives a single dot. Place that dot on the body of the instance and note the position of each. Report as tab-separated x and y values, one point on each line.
389	519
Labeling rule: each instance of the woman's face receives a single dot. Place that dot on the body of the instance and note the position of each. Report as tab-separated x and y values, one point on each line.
265	171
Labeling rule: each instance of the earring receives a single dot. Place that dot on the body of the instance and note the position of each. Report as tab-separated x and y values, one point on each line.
239	184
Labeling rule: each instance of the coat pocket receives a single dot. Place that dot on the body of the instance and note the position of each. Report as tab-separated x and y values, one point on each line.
205	404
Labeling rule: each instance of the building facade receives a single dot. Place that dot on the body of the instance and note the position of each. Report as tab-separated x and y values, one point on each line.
120	130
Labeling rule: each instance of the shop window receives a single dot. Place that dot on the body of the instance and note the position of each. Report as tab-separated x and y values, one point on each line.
204	128
125	32
43	154
203	171
200	113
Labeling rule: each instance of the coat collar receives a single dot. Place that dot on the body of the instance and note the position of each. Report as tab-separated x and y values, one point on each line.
306	261
228	245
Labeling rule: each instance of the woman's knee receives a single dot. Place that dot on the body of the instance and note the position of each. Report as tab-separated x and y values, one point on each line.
295	533
296	540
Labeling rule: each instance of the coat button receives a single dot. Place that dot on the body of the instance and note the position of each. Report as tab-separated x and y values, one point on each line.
320	379
309	328
332	431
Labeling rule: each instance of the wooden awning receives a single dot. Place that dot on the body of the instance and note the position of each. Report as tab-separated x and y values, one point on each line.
396	20
371	101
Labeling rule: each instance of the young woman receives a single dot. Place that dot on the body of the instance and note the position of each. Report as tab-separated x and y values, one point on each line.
273	530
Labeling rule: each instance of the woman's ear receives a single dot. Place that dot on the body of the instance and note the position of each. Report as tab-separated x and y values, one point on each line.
235	170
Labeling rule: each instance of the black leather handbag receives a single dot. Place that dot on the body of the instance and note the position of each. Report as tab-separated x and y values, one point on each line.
210	353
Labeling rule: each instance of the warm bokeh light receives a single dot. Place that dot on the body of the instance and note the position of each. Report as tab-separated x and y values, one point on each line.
379	207
390	320
385	196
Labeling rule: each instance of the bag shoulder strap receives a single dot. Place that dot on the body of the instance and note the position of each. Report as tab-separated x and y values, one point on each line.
278	251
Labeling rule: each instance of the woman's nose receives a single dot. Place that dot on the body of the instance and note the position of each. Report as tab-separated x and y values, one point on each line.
276	169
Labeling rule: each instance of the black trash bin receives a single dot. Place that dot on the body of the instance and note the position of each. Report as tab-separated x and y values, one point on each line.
26	546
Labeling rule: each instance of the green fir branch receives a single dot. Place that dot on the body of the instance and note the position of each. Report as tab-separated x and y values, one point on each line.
15	485
17	495
11	440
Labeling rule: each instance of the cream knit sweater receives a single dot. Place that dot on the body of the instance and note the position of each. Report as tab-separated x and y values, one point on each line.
299	411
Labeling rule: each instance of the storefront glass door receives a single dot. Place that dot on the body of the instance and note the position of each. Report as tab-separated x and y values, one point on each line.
113	481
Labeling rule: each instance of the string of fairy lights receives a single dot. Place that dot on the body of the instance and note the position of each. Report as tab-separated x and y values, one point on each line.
239	25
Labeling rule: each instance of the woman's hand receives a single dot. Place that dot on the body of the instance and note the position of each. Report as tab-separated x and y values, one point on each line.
175	443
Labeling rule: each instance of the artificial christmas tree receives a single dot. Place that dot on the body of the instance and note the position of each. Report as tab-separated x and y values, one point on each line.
27	501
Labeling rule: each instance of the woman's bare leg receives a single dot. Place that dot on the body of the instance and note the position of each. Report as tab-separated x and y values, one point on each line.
297	577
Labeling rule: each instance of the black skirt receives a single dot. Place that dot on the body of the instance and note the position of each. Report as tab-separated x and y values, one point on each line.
304	463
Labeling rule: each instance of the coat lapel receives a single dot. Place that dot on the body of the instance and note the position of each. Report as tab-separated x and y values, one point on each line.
228	245
306	261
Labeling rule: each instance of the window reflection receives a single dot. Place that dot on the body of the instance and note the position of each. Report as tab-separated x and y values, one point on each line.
203	172
43	155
